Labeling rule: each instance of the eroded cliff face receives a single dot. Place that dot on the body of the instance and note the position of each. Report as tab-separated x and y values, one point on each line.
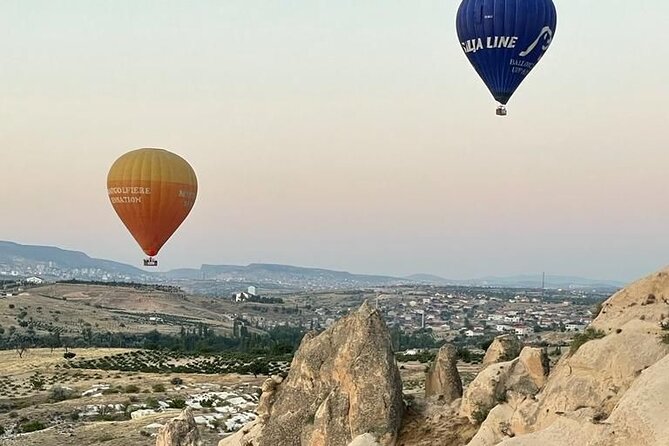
343	384
600	395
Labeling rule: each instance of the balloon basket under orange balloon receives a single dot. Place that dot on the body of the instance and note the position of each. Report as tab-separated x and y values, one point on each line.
150	262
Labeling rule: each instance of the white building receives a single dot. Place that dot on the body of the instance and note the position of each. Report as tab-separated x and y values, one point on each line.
35	280
524	331
575	327
501	328
252	290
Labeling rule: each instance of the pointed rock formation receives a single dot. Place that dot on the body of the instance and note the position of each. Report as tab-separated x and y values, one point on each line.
180	431
504	348
343	383
443	380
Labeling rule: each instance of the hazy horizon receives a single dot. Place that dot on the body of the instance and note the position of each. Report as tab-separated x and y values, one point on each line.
346	136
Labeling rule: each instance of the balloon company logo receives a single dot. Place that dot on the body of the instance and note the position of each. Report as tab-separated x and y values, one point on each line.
474	45
126	191
493	42
546	34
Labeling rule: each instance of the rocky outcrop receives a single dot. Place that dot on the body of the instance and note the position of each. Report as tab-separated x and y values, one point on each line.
530	372
524	377
612	391
180	431
496	427
596	376
443	380
646	299
639	419
504	348
343	383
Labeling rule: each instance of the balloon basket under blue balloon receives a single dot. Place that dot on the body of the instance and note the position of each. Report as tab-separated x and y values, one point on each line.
501	111
150	262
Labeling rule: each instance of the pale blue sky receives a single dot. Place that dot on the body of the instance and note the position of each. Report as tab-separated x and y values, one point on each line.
341	134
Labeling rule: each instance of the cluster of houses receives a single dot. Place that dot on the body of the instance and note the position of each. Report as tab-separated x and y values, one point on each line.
476	313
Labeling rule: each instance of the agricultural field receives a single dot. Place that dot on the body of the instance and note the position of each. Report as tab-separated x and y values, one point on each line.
173	362
46	401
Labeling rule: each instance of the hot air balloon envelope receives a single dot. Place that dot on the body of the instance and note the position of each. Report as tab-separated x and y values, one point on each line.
505	39
152	191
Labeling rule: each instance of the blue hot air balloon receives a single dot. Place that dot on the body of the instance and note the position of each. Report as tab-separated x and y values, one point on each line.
504	40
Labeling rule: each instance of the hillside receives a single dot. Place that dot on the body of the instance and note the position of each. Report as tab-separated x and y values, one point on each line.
55	263
71	308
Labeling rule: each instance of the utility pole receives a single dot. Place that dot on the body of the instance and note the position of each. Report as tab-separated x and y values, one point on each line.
543	285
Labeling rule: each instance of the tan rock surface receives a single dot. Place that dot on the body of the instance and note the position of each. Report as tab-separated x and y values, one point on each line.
599	373
180	431
503	349
647	298
524	376
639	419
495	428
342	384
443	379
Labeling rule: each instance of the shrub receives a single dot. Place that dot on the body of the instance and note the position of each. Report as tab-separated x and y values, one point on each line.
2	430
158	388
37	381
665	338
588	335
152	403
480	415
69	355
132	388
32	426
206	403
178	403
74	416
60	394
176	381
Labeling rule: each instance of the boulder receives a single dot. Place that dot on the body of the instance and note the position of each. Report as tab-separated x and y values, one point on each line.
595	376
364	440
486	391
495	428
343	383
180	431
504	348
523	377
443	380
639	419
530	372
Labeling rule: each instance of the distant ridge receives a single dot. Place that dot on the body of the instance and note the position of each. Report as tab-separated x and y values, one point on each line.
55	263
521	281
285	274
52	261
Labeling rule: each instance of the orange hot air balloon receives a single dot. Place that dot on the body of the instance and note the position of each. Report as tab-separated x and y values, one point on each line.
152	191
